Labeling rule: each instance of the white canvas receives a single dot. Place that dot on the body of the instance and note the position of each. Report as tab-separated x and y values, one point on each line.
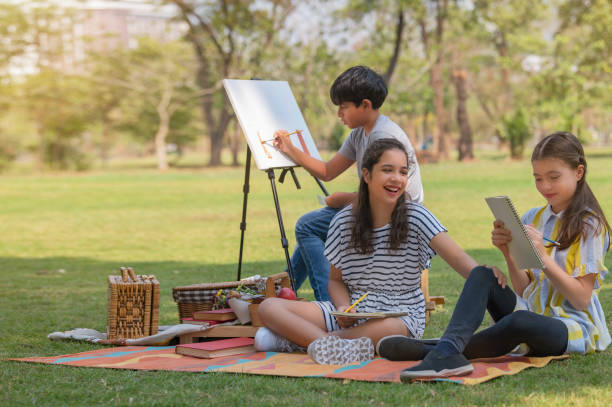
262	107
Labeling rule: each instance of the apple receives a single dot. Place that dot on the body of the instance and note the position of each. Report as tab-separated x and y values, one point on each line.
286	293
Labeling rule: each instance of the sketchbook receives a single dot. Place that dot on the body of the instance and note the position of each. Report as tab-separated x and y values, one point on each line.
521	247
360	315
262	107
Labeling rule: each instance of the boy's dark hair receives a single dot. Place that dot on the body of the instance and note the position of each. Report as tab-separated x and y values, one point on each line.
358	83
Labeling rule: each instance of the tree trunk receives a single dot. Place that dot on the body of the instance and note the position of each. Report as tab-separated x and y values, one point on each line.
162	130
236	144
214	125
413	133
304	95
217	48
427	136
399	30
440	146
40	157
504	96
216	147
464	146
443	150
106	143
440	137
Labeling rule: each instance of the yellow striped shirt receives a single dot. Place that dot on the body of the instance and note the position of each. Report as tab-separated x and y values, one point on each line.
587	329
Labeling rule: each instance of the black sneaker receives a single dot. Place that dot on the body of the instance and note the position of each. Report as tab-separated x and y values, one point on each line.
436	364
400	347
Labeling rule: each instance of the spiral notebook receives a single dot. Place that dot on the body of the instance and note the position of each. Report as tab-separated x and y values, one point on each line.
521	247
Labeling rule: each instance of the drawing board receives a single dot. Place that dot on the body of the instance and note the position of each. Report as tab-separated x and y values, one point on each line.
262	107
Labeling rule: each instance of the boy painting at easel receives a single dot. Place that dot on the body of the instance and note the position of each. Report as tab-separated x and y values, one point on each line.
359	92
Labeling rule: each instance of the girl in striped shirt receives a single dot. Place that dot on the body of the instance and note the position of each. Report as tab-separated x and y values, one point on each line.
378	245
555	310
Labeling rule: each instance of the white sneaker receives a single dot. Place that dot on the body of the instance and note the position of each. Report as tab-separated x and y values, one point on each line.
333	350
268	341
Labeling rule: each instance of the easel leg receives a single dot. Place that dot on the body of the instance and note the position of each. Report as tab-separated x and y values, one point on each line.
284	241
320	184
245	190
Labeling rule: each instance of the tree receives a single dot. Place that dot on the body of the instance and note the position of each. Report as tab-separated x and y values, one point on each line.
509	28
386	14
574	82
13	31
431	16
103	72
464	147
230	39
159	86
387	32
516	131
310	74
465	57
54	101
51	97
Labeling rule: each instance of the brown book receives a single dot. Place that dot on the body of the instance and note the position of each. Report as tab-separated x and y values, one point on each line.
215	349
225	314
194	321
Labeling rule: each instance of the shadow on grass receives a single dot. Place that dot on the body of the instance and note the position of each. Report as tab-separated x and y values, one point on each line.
38	299
42	295
83	272
16	269
77	275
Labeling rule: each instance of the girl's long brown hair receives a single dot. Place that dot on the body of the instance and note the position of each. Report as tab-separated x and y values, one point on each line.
361	236
566	147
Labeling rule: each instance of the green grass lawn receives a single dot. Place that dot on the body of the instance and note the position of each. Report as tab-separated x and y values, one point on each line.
62	234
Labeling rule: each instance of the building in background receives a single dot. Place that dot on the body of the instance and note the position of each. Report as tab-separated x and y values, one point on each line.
65	37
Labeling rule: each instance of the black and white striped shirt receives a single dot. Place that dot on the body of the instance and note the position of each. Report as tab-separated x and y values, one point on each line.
392	278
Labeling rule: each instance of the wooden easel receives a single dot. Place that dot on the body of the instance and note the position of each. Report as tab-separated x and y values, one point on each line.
279	216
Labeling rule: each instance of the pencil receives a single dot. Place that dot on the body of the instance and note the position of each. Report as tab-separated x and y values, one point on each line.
272	139
555	243
356	302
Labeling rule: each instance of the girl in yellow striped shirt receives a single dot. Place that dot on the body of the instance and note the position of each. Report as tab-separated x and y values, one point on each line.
554	310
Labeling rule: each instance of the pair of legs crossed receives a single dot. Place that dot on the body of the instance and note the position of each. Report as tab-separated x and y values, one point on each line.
545	336
302	322
308	259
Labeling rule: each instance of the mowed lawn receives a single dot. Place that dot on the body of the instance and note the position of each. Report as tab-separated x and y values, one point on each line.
61	235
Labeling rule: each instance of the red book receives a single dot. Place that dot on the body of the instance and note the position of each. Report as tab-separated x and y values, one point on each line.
214	349
194	321
225	314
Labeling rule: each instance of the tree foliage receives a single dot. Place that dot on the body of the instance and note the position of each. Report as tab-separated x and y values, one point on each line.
459	73
231	39
161	95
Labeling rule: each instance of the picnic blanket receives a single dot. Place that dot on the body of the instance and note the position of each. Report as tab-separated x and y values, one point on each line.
278	364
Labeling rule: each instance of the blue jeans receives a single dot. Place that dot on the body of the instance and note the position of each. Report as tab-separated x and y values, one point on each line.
308	259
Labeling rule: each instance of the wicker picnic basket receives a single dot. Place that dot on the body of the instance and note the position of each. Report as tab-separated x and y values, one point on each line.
199	297
133	305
